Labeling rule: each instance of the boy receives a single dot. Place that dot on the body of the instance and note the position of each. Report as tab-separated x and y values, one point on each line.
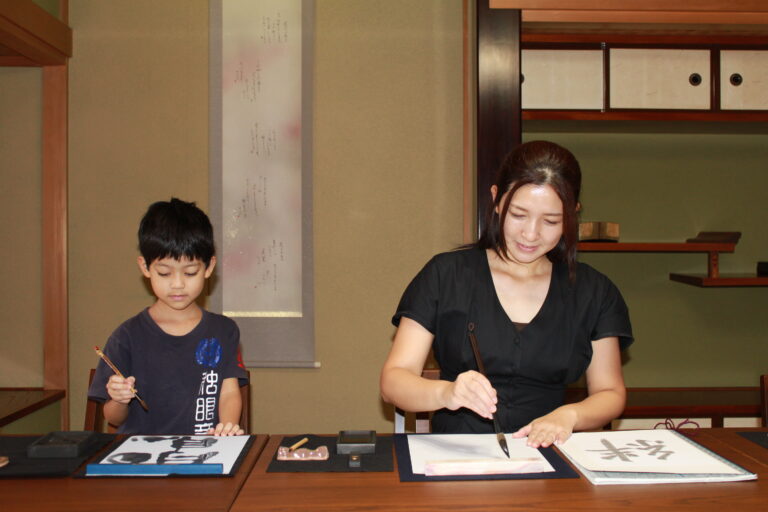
183	361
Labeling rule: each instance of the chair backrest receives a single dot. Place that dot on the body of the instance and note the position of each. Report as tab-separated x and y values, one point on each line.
421	419
764	399
245	412
94	411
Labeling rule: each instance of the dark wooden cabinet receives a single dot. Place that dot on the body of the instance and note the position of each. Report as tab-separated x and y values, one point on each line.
677	60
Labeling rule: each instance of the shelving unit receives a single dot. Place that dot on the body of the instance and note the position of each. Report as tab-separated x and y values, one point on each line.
713	278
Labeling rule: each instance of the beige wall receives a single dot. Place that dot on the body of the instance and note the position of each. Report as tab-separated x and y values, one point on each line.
387	178
387	195
21	349
138	134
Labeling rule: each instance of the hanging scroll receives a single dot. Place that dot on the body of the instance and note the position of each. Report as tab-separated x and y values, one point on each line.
261	175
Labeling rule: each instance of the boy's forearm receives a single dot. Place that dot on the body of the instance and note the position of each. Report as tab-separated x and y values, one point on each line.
115	413
230	403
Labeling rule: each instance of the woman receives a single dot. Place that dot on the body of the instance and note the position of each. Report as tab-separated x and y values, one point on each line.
541	319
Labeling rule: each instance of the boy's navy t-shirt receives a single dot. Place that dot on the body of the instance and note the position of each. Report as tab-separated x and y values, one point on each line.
179	377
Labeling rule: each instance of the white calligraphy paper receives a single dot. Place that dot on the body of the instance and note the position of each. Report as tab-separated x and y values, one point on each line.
472	454
168	449
652	451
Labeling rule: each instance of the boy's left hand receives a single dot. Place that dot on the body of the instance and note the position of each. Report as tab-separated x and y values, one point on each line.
226	429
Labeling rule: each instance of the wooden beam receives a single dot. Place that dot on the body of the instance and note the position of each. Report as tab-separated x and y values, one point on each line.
54	234
31	32
468	199
499	124
634	5
653	17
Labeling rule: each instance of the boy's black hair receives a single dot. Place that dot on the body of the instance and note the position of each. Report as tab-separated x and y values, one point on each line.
176	229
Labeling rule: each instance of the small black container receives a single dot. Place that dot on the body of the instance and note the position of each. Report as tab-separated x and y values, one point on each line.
61	445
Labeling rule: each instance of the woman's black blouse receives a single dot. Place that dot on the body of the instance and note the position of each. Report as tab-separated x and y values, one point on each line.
529	369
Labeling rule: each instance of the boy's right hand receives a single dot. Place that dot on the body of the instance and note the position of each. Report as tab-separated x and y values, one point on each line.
119	389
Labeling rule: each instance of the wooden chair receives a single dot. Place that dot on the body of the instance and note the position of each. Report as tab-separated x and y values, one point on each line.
764	399
422	419
94	411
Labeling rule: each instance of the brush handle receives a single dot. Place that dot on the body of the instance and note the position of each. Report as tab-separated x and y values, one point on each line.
496	427
104	358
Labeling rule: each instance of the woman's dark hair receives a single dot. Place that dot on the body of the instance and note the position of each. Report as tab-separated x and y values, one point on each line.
176	229
536	163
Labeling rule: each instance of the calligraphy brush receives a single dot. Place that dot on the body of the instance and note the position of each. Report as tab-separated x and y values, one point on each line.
496	427
117	372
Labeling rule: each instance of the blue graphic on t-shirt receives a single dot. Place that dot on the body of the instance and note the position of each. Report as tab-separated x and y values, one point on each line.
208	352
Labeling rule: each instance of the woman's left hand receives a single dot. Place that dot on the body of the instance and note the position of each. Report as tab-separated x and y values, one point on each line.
554	428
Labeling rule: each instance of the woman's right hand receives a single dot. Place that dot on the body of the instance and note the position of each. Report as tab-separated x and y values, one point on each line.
119	389
473	391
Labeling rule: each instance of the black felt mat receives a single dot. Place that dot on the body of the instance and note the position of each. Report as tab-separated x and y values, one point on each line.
379	461
15	448
561	468
760	438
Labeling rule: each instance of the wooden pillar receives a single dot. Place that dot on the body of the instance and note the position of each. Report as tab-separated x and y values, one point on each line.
54	230
499	120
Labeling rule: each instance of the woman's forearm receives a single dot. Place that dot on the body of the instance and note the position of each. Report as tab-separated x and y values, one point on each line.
410	392
598	409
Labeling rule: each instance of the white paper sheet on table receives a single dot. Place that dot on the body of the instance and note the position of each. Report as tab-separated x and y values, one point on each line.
176	449
651	451
472	448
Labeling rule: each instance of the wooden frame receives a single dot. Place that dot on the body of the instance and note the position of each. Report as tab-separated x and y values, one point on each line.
764	399
499	125
748	12
30	36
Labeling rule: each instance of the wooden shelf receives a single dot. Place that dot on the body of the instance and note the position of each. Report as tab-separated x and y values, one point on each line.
656	247
724	280
712	248
721	17
16	403
646	115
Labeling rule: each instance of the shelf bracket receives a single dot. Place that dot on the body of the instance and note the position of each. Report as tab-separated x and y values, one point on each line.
713	267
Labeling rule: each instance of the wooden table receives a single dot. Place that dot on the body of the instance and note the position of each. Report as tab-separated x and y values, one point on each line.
336	492
188	494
